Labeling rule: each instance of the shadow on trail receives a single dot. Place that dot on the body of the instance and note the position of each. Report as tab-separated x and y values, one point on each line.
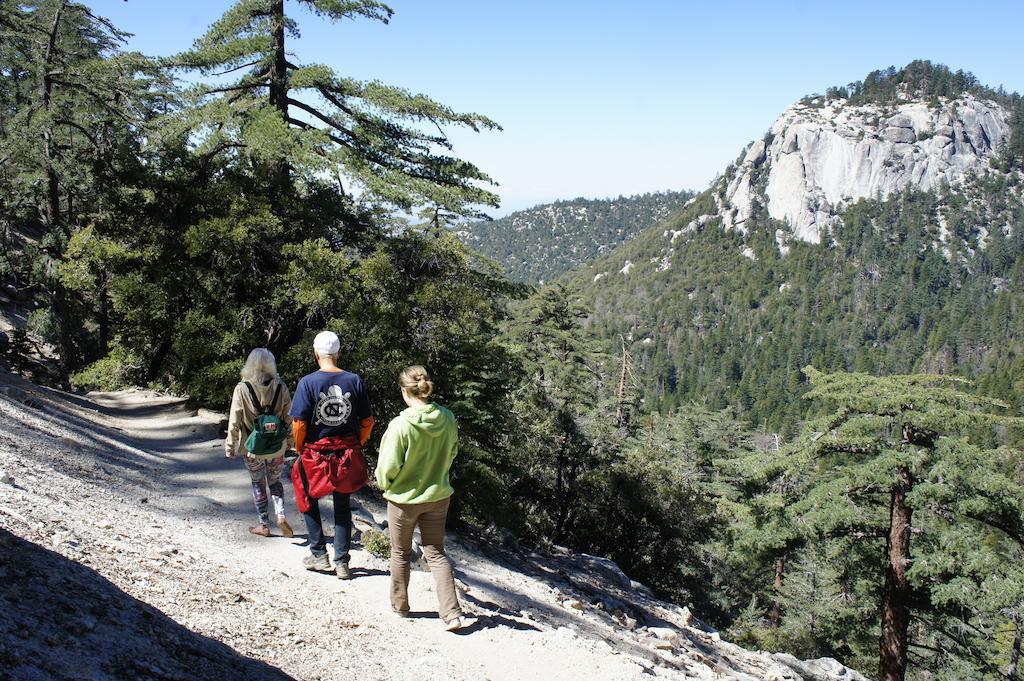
121	406
358	572
423	615
495	621
62	620
498	604
174	460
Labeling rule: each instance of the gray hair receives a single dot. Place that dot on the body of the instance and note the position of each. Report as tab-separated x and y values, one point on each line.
259	366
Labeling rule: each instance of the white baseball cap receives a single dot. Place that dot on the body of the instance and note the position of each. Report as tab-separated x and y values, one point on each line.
326	343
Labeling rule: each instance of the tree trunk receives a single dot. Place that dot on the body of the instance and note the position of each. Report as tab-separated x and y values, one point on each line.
60	300
621	415
104	315
46	95
776	616
560	495
156	362
892	663
279	66
279	82
1011	671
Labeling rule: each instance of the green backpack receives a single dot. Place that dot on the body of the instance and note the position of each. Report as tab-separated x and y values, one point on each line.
268	432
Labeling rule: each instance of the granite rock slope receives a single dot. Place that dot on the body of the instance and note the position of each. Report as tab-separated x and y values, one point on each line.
820	156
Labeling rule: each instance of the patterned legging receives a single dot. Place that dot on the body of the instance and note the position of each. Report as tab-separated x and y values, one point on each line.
266	473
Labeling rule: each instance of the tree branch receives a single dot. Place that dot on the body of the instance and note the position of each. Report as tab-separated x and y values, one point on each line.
237	68
223	146
306	126
76	126
322	116
235	88
857	532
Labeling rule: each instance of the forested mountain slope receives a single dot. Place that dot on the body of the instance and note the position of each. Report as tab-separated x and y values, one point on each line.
544	242
877	228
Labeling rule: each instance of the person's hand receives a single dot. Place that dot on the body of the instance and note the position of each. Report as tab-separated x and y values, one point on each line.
229	455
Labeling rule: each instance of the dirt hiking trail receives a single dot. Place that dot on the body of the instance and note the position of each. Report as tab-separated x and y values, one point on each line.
125	554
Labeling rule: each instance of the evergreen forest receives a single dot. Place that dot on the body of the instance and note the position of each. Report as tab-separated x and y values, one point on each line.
542	243
818	452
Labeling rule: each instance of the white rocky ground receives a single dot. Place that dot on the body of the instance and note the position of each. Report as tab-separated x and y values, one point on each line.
123	554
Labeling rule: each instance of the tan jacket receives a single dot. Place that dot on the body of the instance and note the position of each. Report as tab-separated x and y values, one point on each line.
243	412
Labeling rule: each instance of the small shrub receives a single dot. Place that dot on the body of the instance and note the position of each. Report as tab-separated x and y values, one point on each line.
377	543
43	324
116	371
17	350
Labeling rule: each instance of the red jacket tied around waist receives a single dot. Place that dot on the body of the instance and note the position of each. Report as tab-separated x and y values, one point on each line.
331	464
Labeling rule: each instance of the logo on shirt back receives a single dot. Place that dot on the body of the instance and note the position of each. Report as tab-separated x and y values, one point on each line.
334	407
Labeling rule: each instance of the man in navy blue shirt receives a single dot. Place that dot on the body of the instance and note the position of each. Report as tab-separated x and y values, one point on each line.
329	403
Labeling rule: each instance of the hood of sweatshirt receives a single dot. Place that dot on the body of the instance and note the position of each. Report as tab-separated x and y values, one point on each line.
265	387
429	419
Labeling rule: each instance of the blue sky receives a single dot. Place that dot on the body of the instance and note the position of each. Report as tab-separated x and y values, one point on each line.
606	98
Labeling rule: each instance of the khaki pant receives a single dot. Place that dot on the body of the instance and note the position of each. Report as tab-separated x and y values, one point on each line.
402	521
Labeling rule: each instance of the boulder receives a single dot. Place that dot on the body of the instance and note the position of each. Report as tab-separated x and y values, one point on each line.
899	135
663	633
364	521
900	121
822	669
605	567
780	673
612	604
756	154
641	588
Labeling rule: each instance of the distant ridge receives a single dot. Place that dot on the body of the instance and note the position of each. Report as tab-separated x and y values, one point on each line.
541	243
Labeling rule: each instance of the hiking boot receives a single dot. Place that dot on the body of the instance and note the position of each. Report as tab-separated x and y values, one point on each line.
261	530
341	569
286	529
319	563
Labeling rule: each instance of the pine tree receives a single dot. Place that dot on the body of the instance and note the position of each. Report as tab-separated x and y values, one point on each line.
305	118
562	381
895	465
74	106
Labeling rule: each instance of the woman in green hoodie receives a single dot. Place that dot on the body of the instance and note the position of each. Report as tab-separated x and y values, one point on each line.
416	453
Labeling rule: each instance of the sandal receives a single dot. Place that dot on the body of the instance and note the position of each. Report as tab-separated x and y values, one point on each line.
261	530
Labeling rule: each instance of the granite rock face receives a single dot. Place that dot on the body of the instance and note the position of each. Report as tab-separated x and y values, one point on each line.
821	156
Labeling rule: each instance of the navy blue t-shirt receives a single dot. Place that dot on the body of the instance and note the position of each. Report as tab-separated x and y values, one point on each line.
331	403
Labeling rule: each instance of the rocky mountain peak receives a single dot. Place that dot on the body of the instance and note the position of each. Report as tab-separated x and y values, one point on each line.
822	154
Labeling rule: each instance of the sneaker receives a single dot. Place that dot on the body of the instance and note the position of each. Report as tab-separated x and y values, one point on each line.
286	529
261	530
457	623
319	563
341	569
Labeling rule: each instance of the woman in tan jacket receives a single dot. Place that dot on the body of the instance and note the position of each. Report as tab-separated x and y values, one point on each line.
261	383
